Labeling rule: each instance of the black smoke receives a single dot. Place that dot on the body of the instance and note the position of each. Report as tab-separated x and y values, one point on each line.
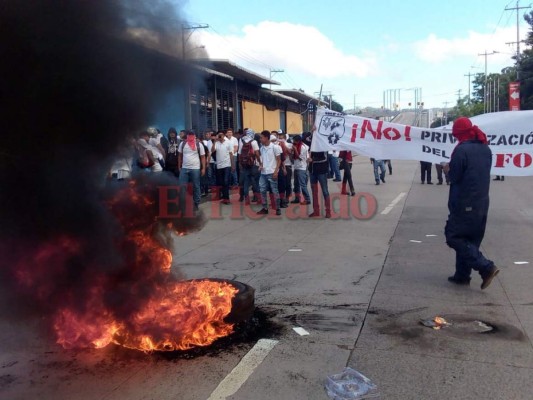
78	79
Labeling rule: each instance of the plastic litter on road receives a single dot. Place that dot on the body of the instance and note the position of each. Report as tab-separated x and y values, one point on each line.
350	385
435	323
300	331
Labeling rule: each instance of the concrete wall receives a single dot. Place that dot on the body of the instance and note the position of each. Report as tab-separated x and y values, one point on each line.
294	122
257	117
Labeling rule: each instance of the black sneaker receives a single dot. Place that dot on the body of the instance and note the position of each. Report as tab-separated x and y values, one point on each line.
489	276
383	179
262	211
377	182
284	205
457	281
440	183
430	183
295	201
278	211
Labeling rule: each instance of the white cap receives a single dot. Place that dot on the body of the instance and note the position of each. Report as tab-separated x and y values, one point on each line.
273	138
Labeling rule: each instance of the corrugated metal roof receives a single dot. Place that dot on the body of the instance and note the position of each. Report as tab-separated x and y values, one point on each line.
236	71
280	95
212	72
299	95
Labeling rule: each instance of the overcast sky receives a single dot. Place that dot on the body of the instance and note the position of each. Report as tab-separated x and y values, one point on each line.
362	47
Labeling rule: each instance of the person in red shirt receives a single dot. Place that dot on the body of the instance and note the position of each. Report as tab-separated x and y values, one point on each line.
346	163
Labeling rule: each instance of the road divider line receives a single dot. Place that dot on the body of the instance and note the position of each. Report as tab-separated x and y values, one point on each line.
393	203
240	374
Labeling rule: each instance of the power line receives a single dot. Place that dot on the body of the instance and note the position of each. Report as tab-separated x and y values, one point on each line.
517	8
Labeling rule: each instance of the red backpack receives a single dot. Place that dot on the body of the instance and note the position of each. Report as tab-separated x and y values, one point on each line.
247	156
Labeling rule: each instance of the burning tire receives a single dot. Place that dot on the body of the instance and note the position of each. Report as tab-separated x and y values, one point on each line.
243	304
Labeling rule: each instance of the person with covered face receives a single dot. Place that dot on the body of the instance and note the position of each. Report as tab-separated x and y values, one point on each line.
191	161
468	203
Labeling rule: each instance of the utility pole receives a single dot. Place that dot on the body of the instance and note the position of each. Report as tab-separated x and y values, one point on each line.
184	39
517	8
274	72
459	95
446	112
485	85
470	74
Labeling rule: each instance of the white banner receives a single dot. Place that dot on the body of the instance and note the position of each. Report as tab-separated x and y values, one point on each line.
510	136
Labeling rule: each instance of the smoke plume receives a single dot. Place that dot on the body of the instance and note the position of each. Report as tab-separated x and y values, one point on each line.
78	79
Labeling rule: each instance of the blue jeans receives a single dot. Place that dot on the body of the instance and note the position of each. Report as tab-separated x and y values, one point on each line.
323	180
334	167
247	180
381	165
266	183
300	184
234	179
191	176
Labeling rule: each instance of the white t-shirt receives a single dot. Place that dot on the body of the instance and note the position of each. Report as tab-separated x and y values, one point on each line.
223	154
268	157
287	161
234	143
301	162
191	160
209	145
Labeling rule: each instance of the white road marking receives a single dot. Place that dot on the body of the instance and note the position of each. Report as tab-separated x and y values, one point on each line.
295	249
431	235
415	241
240	374
393	203
300	331
521	262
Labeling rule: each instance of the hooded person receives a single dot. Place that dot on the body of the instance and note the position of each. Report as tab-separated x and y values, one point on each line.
171	150
248	156
468	203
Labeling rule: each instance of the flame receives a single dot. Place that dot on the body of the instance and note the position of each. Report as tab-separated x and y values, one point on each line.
178	317
140	304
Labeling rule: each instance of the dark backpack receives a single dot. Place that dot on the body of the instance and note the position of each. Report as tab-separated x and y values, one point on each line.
247	156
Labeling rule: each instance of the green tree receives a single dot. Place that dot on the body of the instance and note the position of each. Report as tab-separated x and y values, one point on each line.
334	105
526	68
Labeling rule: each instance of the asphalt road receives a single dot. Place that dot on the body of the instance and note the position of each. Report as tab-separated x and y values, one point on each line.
359	288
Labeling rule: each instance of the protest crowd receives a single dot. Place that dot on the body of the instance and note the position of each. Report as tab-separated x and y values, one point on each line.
269	168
